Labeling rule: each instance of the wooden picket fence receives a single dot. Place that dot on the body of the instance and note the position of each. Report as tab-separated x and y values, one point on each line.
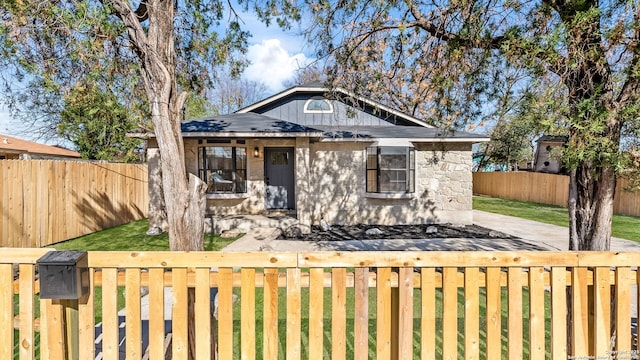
43	202
544	188
383	305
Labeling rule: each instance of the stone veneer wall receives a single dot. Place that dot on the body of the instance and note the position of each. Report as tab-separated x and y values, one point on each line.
330	184
443	187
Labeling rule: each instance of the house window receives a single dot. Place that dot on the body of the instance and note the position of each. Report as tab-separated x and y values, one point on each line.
223	168
318	105
390	169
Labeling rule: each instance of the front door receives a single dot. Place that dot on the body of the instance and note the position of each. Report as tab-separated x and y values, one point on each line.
279	184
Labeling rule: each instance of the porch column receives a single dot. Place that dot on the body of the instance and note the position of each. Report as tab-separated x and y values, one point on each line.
303	184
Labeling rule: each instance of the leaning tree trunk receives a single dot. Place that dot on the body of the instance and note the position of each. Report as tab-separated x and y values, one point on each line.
183	194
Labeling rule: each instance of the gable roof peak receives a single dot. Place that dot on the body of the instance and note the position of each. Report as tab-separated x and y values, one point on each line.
318	86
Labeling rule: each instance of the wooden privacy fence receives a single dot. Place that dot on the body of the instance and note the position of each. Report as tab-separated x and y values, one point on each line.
546	189
356	305
44	201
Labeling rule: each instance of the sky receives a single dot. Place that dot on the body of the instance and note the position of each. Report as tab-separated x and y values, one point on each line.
275	55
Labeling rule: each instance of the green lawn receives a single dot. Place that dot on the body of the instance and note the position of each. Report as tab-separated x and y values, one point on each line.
625	227
132	237
127	237
417	311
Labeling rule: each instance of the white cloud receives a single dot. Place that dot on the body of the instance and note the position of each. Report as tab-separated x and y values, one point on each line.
272	64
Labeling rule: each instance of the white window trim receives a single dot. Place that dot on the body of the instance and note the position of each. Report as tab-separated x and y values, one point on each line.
307	111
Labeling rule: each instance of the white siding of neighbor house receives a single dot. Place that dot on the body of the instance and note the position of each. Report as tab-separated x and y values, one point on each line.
330	184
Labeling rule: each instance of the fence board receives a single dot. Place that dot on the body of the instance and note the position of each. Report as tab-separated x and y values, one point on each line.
602	312
133	324
559	313
27	285
471	314
338	313
405	326
623	310
361	316
580	312
294	302
37	196
383	321
203	309
156	313
248	314
536	313
316	311
6	310
270	314
549	189
449	313
180	316
428	321
109	313
86	322
225	314
514	276
494	315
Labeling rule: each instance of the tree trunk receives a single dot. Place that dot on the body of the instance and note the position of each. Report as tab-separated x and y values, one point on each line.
591	193
183	195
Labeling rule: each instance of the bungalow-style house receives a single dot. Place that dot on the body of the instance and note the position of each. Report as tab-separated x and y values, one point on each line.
14	148
319	158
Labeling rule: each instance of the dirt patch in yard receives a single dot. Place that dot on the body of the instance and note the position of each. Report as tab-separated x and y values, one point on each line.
365	232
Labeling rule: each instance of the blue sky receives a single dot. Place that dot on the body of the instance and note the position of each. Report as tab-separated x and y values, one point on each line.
275	55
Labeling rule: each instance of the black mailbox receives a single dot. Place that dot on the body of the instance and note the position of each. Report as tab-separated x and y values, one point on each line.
63	275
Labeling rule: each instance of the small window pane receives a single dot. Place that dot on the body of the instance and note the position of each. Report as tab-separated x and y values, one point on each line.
279	158
390	169
372	181
318	105
241	158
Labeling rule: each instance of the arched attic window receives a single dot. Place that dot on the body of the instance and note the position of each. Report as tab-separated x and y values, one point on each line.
318	105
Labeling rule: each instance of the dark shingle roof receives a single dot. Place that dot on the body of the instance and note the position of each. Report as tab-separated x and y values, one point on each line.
391	132
252	125
243	123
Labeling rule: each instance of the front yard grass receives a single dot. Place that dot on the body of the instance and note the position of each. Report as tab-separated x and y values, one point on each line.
625	227
133	237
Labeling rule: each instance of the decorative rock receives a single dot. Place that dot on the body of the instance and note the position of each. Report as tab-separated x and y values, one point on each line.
495	234
431	230
230	233
266	248
373	231
154	231
324	226
292	232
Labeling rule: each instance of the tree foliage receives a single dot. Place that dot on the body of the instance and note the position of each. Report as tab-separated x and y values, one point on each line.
450	60
98	125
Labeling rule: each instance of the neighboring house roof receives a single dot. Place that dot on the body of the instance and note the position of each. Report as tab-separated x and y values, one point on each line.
14	145
553	138
319	88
